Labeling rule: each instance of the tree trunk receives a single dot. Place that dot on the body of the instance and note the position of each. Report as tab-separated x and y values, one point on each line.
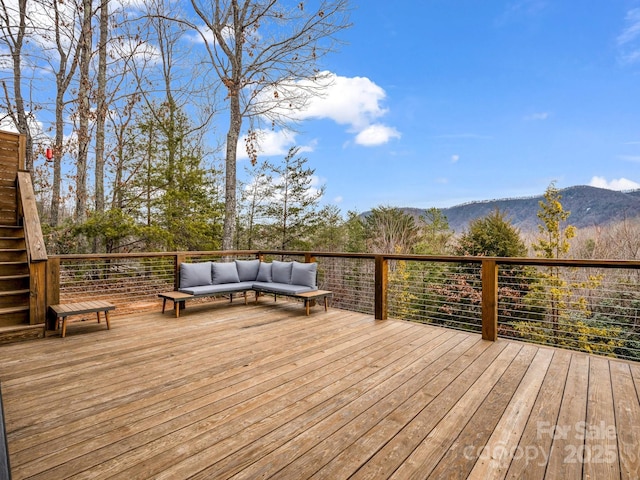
84	111
101	105
101	113
21	120
57	155
233	136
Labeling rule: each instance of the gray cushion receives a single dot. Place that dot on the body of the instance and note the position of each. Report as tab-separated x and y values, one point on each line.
304	274
281	272
284	288
264	274
247	269
224	273
195	274
215	289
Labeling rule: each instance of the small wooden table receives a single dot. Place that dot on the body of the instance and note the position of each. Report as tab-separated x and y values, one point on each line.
178	298
314	295
64	310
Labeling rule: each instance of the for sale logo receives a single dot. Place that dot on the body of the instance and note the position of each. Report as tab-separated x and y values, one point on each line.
583	443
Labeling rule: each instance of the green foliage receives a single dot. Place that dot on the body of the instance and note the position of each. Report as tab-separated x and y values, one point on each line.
329	234
390	230
280	206
436	233
554	240
253	198
491	236
113	227
355	232
165	186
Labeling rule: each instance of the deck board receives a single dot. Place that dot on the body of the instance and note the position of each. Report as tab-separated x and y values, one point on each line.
263	391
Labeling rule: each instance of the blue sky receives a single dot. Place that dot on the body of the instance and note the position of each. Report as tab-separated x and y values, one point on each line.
440	102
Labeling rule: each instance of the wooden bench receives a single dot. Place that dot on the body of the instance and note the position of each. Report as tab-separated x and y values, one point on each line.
61	311
178	298
309	298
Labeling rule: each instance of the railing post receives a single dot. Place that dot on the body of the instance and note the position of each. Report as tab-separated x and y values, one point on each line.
178	259
309	258
53	288
380	289
489	300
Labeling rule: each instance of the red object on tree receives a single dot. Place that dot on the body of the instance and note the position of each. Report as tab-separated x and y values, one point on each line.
49	153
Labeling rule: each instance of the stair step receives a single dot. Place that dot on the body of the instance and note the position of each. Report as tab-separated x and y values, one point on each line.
19	332
8	310
12	231
13	268
13	277
8	293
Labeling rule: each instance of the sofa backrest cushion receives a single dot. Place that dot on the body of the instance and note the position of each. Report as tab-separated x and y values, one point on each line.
247	270
304	274
195	274
281	272
224	272
264	274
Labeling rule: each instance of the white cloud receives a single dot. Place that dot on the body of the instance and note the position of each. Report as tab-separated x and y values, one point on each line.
628	39
537	116
520	9
376	134
352	101
339	199
455	158
632	27
615	184
273	143
630	158
348	101
270	143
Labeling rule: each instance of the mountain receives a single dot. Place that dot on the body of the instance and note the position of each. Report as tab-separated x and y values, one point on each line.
589	206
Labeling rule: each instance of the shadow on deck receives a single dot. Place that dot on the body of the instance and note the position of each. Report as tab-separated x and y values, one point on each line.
264	391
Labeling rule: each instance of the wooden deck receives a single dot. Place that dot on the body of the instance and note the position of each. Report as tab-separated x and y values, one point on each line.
244	391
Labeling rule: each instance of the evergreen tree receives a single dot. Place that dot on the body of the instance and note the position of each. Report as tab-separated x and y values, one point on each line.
254	195
356	234
436	233
554	240
491	236
571	320
292	211
165	186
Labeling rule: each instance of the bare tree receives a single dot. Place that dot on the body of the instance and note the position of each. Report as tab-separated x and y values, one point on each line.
84	110
390	230
101	105
64	40
260	50
13	30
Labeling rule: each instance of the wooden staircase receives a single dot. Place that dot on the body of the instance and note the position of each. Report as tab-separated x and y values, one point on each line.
14	276
17	319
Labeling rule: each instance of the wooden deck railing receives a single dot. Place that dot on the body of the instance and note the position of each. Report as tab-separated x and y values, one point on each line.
494	296
36	249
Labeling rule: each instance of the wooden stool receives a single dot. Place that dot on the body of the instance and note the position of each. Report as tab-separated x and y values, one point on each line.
63	310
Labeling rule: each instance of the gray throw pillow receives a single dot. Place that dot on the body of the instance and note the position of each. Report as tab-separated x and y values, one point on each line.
195	274
224	273
281	271
264	274
304	274
247	269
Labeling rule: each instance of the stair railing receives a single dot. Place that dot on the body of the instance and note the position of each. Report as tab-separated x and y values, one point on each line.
36	248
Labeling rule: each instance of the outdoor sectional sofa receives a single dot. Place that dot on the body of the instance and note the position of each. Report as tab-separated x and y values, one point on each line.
203	279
